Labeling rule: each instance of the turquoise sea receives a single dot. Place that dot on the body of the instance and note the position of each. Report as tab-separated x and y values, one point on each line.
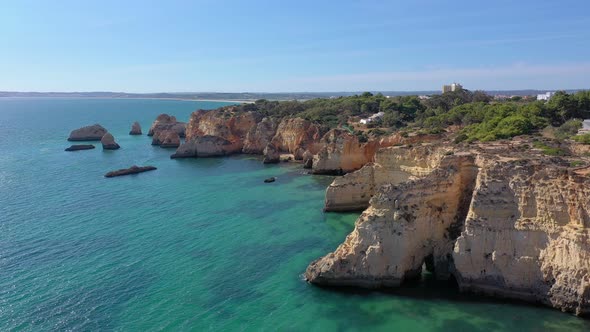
199	244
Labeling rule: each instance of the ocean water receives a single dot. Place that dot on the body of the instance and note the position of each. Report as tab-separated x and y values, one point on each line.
199	244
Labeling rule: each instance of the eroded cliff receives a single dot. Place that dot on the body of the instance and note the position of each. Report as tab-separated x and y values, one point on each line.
500	223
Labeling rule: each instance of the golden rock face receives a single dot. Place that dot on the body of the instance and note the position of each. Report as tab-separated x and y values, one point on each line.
499	224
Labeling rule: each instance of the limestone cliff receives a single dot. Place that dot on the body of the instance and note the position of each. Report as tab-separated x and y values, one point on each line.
341	153
249	132
499	223
259	136
295	135
393	165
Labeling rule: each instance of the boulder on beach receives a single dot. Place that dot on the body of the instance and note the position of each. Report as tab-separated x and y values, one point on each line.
88	133
78	147
135	129
108	142
131	170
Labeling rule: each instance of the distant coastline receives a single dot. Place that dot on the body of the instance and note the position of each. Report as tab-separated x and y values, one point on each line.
239	97
146	98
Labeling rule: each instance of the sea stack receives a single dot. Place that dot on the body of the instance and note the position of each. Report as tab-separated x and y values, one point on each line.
89	133
135	129
108	142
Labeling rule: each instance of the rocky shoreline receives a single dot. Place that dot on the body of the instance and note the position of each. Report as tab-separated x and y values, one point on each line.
496	218
501	219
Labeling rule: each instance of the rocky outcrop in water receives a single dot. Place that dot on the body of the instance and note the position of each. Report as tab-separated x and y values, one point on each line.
166	139
128	171
249	132
78	147
271	155
88	133
167	122
108	142
169	139
499	222
135	129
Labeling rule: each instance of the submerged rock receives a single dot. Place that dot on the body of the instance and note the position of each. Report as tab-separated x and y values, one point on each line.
108	142
88	133
131	170
135	129
78	147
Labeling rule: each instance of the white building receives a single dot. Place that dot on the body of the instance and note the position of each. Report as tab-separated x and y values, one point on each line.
452	87
545	96
372	118
585	127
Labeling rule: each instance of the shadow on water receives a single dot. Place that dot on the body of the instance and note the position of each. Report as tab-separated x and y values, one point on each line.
421	299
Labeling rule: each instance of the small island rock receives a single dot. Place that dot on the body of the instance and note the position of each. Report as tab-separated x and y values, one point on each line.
88	133
131	170
135	129
78	147
108	142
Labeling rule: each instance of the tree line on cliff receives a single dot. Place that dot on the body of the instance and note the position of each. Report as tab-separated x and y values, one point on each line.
480	117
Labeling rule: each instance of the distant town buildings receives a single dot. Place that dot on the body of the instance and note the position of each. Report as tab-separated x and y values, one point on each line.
372	118
545	96
452	87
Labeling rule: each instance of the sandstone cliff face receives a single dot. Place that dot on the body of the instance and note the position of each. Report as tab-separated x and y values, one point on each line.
499	225
259	136
166	139
206	146
341	153
167	122
393	165
297	135
527	235
405	225
88	133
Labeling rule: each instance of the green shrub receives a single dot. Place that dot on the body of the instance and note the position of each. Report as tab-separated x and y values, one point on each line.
584	139
568	129
549	150
577	163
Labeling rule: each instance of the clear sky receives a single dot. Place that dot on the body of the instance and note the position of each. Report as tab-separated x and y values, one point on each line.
284	46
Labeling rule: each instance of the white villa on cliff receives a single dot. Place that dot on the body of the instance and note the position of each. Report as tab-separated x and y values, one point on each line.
372	118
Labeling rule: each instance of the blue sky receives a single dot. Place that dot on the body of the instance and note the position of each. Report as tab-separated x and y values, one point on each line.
281	46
